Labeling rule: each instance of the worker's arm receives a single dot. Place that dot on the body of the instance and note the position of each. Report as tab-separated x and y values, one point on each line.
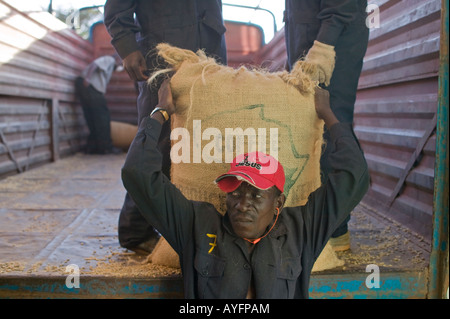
159	201
334	16
165	102
346	185
119	21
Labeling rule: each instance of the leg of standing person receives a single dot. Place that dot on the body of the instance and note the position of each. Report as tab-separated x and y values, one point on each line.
101	121
350	52
84	96
134	230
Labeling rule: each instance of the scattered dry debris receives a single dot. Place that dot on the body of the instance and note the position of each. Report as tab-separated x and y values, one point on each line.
94	245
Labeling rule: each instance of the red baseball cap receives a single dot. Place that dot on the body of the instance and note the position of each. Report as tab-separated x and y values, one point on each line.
258	169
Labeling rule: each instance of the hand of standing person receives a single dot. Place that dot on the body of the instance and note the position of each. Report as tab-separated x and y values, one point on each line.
135	65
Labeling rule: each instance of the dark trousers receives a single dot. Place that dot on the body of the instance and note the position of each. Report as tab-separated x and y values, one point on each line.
133	227
350	50
97	116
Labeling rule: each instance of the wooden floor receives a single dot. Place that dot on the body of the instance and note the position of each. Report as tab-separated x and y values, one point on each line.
62	218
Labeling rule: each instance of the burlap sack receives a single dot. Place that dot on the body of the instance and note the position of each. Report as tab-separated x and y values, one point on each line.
164	255
212	99
122	134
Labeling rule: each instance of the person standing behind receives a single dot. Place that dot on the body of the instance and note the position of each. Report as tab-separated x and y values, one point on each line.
90	88
332	36
136	27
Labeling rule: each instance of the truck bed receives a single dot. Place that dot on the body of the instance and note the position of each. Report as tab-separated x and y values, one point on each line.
63	217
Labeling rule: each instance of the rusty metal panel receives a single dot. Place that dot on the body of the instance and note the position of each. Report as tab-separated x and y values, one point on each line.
24	133
243	42
72	131
39	60
273	55
395	111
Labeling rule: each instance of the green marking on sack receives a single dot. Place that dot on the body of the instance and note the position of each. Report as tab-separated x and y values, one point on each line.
292	175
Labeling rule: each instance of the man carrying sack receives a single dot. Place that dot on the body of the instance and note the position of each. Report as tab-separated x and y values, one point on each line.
259	248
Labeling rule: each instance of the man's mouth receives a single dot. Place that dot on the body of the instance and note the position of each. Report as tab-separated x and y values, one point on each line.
242	218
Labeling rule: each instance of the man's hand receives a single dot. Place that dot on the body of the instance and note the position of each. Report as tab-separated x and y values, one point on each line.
323	109
165	101
135	65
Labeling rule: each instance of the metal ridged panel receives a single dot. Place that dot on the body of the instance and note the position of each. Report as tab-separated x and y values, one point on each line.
39	60
395	109
243	42
273	55
24	133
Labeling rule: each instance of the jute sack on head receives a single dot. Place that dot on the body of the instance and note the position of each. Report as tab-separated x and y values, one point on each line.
222	112
218	106
122	134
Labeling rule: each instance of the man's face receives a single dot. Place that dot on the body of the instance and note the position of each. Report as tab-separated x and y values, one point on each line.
251	209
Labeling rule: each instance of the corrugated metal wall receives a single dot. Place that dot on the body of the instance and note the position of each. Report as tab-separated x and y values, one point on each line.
395	110
39	60
243	42
273	55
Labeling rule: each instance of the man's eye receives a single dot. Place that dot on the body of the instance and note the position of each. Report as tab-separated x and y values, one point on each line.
236	194
257	196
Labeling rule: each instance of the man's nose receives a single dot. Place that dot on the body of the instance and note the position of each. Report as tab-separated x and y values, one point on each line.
243	203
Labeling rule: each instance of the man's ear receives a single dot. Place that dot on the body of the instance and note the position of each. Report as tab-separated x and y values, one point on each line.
280	201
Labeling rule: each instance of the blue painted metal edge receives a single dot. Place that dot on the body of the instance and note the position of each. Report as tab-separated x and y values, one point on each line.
90	287
397	285
392	285
438	284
